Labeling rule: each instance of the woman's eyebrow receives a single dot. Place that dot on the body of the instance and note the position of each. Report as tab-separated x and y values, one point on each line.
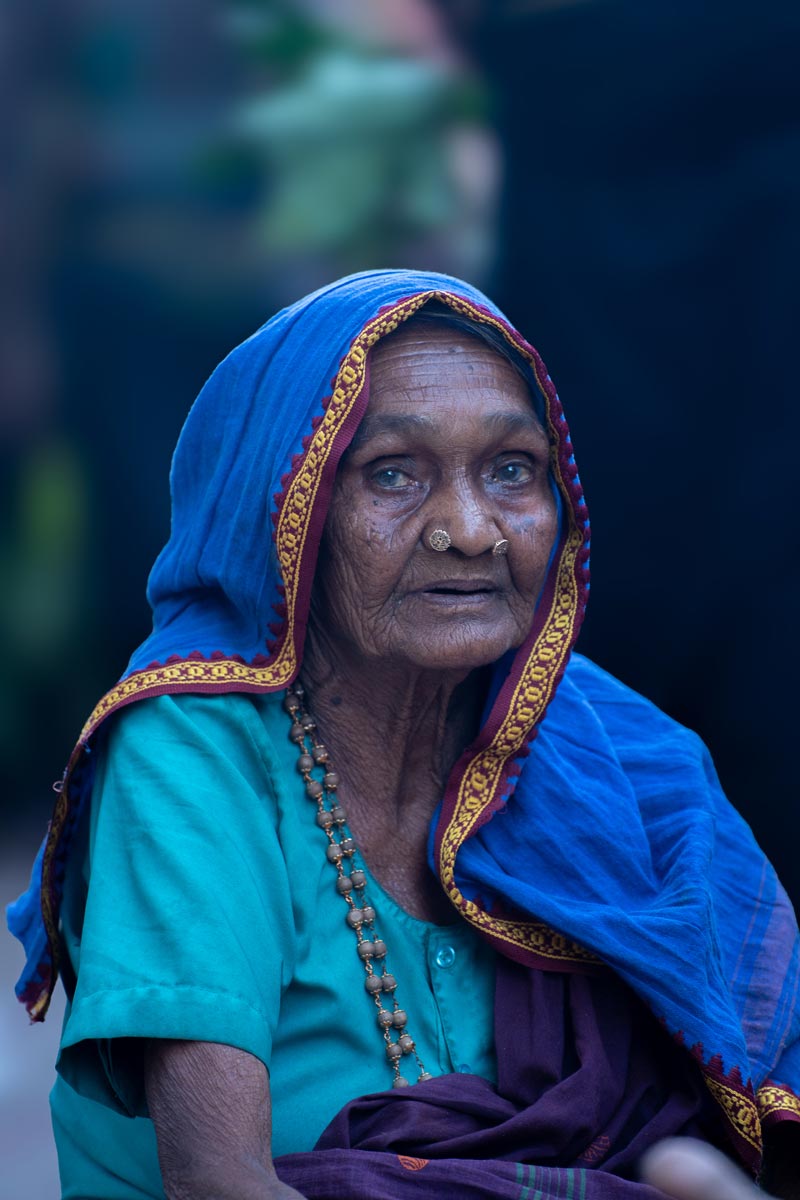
503	424
372	427
507	424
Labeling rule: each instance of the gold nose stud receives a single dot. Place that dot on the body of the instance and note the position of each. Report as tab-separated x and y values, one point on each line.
439	540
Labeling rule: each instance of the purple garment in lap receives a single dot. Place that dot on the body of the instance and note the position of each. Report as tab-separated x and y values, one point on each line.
587	1080
368	1175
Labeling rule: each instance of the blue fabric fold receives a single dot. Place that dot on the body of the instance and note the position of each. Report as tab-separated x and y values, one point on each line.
618	834
24	919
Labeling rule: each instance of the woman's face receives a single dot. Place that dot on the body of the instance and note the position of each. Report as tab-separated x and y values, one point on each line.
450	440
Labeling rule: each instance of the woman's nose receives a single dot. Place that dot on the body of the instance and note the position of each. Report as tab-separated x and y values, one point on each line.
465	515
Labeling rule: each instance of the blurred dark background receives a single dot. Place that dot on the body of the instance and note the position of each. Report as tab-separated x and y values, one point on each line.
623	179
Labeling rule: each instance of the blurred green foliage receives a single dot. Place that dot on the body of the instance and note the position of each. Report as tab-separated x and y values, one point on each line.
353	141
41	558
182	180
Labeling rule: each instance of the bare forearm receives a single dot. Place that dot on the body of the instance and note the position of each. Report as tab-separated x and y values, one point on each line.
211	1109
243	1185
223	1181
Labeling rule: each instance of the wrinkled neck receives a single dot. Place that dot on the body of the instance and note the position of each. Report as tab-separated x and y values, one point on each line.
394	731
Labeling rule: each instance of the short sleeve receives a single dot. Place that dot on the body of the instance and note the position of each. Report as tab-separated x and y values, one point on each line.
178	920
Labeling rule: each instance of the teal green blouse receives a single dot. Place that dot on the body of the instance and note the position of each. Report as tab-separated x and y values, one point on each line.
201	906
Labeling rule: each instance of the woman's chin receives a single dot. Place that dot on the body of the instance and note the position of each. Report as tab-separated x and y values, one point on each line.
456	649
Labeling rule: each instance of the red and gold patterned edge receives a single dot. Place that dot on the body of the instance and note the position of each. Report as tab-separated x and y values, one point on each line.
748	1113
539	943
294	519
537	683
741	1111
776	1102
295	513
484	774
37	1007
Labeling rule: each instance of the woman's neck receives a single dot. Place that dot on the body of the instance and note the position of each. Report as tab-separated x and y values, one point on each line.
393	735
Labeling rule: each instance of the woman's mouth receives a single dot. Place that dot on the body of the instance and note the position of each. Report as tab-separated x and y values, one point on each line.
458	592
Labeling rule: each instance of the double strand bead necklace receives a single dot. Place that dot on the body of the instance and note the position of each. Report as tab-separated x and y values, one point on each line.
351	882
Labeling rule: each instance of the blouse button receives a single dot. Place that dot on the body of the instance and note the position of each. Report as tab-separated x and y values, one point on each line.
445	957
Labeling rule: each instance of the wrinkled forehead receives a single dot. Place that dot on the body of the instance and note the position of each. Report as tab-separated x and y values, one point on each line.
443	335
447	382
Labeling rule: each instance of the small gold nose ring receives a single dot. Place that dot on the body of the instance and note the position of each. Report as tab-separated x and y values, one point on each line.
439	540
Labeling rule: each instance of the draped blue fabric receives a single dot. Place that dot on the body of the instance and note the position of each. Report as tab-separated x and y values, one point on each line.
618	833
615	832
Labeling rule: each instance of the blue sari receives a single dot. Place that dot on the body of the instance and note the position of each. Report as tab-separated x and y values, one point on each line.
582	830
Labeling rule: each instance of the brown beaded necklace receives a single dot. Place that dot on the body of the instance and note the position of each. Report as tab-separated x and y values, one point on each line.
351	881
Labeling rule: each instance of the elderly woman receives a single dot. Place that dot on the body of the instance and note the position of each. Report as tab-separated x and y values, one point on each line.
360	882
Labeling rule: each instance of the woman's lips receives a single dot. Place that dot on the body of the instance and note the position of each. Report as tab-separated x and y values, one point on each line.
458	593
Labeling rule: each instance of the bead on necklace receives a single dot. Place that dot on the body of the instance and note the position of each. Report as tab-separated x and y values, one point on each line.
351	882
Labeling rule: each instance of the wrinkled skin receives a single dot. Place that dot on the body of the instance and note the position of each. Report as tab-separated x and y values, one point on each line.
398	631
450	440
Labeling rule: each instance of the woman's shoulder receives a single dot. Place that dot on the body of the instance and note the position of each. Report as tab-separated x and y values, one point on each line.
604	690
636	726
214	713
595	682
196	728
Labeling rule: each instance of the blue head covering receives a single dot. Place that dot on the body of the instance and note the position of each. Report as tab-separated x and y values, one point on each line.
582	829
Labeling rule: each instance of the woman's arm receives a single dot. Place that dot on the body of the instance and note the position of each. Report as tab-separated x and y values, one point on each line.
210	1105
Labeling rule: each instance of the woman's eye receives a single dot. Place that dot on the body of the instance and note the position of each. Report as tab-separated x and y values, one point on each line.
390	477
512	472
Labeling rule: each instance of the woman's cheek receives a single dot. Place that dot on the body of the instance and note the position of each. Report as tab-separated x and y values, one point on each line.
365	553
531	542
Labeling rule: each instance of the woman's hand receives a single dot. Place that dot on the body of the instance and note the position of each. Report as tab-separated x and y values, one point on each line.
211	1108
691	1170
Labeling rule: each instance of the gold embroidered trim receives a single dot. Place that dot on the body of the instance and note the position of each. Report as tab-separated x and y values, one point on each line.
189	673
482	775
533	936
531	697
290	538
739	1109
295	514
772	1098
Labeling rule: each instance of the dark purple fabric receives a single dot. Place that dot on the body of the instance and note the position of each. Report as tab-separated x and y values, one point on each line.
370	1175
587	1080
